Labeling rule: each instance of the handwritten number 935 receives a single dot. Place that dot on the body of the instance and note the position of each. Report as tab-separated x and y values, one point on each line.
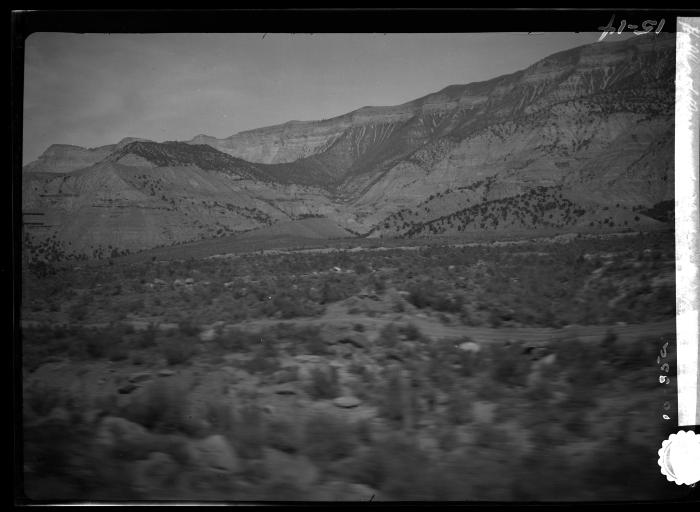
664	379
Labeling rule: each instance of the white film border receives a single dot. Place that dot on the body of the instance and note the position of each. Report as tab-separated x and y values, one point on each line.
686	217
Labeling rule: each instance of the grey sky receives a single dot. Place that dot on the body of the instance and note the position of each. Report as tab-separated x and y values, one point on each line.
95	89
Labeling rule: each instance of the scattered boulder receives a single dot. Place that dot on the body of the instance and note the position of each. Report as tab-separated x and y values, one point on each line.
304	373
57	416
113	431
284	467
484	411
533	377
285	375
354	339
535	352
428	443
469	346
548	360
394	356
308	358
189	280
140	377
208	334
154	474
284	389
233	358
441	398
539	364
166	372
347	402
127	388
90	416
346	491
214	453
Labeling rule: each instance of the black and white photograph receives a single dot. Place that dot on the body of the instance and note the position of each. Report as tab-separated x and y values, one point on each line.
340	266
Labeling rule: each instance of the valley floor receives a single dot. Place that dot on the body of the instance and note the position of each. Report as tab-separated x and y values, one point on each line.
490	372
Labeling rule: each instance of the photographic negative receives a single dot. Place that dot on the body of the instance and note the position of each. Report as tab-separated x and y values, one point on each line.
343	266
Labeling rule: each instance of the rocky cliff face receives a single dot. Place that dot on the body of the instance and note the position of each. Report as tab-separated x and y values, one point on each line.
596	121
587	132
113	207
62	158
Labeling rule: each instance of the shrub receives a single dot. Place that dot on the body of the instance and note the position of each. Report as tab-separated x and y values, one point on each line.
540	391
162	407
420	297
188	328
362	268
575	422
177	351
328	438
640	354
494	319
332	291
42	398
265	358
468	363
610	339
572	352
508	366
490	389
625	458
106	403
393	404
551	481
237	340
324	383
77	312
411	331
389	336
440	357
248	435
282	490
219	415
138	358
378	283
397	466
49	449
446	437
95	346
147	338
314	343
283	435
364	431
118	352
459	410
369	468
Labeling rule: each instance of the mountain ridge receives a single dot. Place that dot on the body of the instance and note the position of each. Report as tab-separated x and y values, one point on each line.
594	122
